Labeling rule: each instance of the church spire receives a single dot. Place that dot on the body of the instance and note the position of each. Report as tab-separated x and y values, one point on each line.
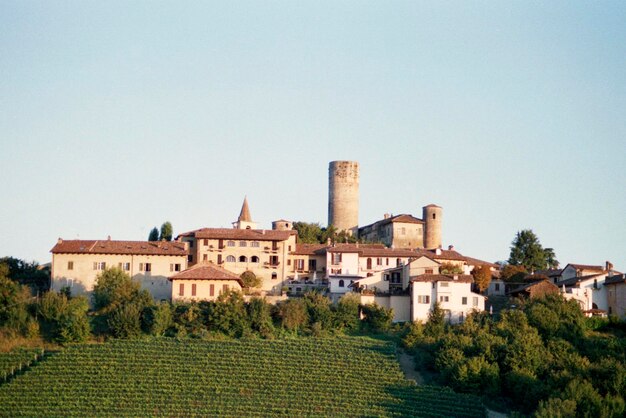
245	211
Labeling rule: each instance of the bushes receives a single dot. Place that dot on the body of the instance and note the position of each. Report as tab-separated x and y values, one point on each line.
377	318
65	320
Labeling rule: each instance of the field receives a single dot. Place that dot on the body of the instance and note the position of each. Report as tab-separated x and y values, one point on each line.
165	377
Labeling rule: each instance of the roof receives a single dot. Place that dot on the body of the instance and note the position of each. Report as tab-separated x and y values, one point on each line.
244	215
402	218
206	271
310	249
372	250
443	255
585	267
432	205
460	278
575	280
119	247
241	234
620	278
529	285
550	272
476	262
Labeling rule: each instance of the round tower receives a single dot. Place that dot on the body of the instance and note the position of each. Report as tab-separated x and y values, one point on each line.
432	216
282	225
343	195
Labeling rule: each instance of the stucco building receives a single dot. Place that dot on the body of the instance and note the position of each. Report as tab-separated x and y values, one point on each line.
203	281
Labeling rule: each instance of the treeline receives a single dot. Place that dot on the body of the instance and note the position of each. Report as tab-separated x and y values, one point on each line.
544	358
122	309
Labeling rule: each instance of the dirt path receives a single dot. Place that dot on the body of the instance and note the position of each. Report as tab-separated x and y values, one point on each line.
408	367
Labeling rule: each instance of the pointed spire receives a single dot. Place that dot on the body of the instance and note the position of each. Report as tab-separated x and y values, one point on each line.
245	211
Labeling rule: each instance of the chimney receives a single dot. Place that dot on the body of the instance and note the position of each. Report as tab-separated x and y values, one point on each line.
455	277
109	238
450	247
438	251
60	240
386	216
609	267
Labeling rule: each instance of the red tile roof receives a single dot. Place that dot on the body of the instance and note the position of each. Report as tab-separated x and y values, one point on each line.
586	267
119	247
443	255
310	249
476	262
240	234
575	281
206	271
461	278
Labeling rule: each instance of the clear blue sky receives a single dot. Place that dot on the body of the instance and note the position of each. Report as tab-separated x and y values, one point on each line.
117	116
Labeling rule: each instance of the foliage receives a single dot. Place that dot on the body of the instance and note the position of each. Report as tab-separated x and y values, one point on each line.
526	250
313	233
482	277
513	274
450	268
14	304
25	273
65	320
154	234
347	312
158	318
293	314
166	232
318	308
377	318
436	323
251	280
114	287
260	317
227	315
251	377
125	320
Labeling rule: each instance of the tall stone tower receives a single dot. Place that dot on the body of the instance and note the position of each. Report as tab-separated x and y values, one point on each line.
432	216
343	195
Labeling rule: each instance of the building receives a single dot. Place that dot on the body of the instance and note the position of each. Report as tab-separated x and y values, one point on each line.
343	195
77	263
616	295
578	270
203	281
588	290
242	248
452	292
399	231
535	289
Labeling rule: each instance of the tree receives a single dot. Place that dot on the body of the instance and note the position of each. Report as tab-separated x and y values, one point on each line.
14	301
114	287
64	319
377	317
154	234
293	314
450	268
513	274
526	250
166	232
27	274
251	280
308	233
482	277
436	324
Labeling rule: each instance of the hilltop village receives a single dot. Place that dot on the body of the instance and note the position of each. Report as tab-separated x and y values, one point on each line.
400	263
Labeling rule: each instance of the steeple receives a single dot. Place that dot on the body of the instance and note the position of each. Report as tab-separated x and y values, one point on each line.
245	220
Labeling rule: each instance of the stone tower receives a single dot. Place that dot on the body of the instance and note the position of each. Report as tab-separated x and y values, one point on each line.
432	216
343	195
245	220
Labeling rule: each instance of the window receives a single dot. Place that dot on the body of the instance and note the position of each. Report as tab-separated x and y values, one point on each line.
474	301
145	267
289	248
444	298
428	271
464	300
254	244
174	267
190	244
70	265
243	259
206	242
99	265
274	260
341	283
212	290
181	289
336	258
254	259
190	258
423	299
224	288
299	264
398	262
434	216
231	243
312	265
274	276
205	257
124	266
497	286
369	264
386	277
193	289
335	271
231	259
243	244
387	261
444	284
403	231
395	278
379	261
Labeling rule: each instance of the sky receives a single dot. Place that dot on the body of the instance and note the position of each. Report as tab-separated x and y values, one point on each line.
118	116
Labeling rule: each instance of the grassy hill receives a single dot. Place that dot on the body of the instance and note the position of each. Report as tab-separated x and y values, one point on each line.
165	377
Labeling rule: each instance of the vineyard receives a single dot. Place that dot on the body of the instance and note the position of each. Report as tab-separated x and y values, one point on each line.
165	377
16	361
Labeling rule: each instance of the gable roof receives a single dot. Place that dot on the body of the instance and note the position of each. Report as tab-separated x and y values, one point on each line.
617	279
527	287
443	254
119	247
240	234
576	280
585	267
206	271
460	278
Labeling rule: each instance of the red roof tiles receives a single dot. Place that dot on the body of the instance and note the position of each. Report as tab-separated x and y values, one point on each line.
240	234
461	278
119	247
206	271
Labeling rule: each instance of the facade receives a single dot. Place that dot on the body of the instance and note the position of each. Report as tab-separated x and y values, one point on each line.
535	290
204	281
453	292
77	263
578	270
343	195
496	287
616	295
588	290
400	231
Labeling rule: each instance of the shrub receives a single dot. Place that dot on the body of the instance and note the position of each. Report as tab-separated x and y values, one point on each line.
377	318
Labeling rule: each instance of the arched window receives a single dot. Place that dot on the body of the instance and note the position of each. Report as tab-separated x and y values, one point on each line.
230	259
369	263
243	259
341	283
254	259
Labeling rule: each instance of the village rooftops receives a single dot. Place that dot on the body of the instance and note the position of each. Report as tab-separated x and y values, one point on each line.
586	267
575	281
310	249
617	279
119	247
240	234
206	271
460	278
403	218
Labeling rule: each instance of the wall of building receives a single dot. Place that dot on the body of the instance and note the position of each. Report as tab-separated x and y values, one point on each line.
616	299
203	289
455	309
343	195
407	235
401	305
81	278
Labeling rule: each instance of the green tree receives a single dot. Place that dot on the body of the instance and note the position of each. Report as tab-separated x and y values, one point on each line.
251	280
513	274
293	314
124	321
158	318
27	274
308	233
114	287
450	268
166	232
65	320
260	318
318	307
526	250
228	314
436	323
154	234
482	277
14	303
377	318
347	312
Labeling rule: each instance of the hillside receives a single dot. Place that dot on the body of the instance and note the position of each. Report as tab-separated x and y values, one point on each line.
166	377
